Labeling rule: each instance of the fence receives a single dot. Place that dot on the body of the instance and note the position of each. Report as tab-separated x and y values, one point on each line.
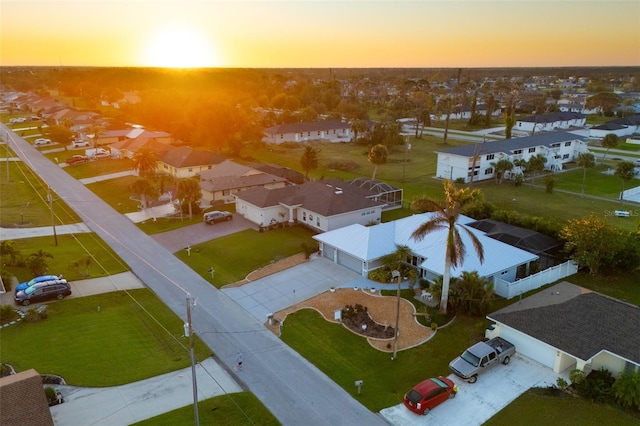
509	290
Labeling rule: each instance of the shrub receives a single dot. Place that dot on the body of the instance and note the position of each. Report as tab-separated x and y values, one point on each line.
597	386
576	377
7	314
561	383
50	393
626	389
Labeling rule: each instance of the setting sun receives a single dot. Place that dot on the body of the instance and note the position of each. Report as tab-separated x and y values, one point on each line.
179	47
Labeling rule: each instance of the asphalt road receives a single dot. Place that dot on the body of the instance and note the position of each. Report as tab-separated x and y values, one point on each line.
295	391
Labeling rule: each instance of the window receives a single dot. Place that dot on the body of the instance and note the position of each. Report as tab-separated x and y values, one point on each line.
310	217
318	221
304	216
565	156
517	151
489	171
190	169
567	144
226	192
491	157
532	150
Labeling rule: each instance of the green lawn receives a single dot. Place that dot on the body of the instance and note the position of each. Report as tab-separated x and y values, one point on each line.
115	192
24	200
70	248
233	409
234	256
345	357
103	340
536	408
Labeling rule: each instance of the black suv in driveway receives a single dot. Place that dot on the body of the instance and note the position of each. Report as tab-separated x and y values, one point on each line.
43	291
216	216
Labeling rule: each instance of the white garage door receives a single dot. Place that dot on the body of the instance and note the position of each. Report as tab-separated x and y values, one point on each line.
350	262
328	252
530	347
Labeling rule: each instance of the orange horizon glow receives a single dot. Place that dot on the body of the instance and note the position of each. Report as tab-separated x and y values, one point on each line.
324	34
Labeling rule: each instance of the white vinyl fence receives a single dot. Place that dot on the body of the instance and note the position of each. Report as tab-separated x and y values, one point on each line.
509	290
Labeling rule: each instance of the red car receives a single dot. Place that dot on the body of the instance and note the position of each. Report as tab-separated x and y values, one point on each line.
429	393
77	159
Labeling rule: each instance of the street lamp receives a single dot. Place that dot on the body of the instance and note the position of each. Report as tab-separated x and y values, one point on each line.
396	274
188	328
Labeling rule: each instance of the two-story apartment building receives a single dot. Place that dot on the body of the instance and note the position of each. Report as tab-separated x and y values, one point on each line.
326	131
475	161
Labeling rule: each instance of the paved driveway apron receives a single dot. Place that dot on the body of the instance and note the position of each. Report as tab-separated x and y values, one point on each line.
279	291
295	391
478	402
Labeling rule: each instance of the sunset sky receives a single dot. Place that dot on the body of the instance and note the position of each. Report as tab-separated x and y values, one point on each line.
325	33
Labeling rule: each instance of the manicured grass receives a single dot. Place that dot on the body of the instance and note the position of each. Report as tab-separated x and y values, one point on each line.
103	340
231	409
70	248
164	224
345	357
624	286
234	256
91	168
536	408
116	193
24	202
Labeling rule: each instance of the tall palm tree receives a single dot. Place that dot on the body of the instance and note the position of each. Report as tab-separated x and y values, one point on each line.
609	141
145	161
37	262
378	155
188	191
145	189
586	160
625	170
445	218
395	261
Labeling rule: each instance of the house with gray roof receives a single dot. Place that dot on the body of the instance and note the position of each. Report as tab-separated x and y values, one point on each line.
474	161
550	122
326	131
620	127
321	205
185	162
568	327
221	183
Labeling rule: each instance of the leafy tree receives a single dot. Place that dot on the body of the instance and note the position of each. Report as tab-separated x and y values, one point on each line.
377	156
536	164
586	160
609	141
625	170
37	262
81	265
500	167
445	218
588	241
60	134
604	102
144	189
626	389
549	184
358	127
145	161
309	160
188	192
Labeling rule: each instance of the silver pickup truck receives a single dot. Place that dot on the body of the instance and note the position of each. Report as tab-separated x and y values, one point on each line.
481	357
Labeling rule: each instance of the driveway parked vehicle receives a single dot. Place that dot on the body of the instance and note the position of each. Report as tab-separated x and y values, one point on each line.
40	292
428	394
40	279
216	216
42	141
77	159
79	143
481	357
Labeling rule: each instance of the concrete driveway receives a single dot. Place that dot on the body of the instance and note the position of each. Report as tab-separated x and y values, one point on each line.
476	403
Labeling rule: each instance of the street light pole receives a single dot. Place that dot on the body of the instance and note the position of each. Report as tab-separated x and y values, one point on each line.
396	274
53	219
189	330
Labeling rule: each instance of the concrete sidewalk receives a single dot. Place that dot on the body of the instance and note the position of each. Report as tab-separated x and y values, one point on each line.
134	402
42	231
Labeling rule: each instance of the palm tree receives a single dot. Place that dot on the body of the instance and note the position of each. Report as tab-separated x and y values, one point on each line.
145	161
9	252
625	170
395	261
378	155
188	191
586	160
445	218
500	167
358	127
37	263
472	294
535	164
609	141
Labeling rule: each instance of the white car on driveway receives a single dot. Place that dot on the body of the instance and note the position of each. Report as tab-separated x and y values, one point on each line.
42	141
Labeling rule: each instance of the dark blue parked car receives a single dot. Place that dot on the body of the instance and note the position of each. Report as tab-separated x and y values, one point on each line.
40	292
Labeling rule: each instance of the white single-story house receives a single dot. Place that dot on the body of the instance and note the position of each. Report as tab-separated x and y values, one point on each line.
463	112
222	182
620	127
550	122
361	249
321	205
475	160
185	162
327	131
570	327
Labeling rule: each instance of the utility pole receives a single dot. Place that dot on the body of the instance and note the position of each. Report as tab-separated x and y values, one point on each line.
189	330
6	145
53	219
